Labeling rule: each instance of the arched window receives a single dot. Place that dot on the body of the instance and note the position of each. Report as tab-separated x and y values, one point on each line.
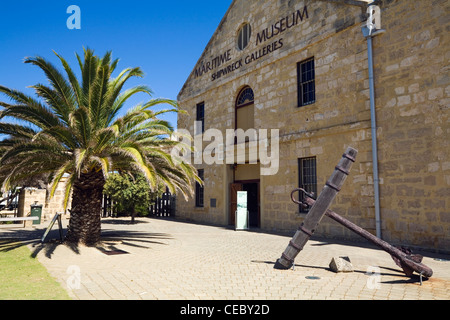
245	109
245	97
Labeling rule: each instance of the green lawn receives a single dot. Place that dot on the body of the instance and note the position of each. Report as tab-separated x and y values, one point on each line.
23	277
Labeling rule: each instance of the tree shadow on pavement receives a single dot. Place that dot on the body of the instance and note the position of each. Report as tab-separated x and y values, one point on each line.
8	244
124	220
14	238
139	239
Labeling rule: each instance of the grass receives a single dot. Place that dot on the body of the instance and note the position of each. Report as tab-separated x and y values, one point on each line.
23	277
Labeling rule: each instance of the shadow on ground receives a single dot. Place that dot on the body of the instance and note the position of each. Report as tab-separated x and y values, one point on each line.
14	238
389	272
124	220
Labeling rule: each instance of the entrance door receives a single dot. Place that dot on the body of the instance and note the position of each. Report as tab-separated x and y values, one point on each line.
252	189
252	203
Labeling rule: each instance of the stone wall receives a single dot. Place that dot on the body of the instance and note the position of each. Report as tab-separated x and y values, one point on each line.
50	207
28	197
412	100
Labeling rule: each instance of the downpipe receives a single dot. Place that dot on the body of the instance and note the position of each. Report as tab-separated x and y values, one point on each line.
369	34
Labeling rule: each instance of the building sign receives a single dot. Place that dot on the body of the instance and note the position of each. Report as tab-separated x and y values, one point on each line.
213	63
282	25
221	65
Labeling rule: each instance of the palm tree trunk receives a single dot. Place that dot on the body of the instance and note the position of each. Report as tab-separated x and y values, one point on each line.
85	215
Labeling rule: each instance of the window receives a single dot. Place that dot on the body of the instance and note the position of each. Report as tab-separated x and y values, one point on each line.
245	97
306	82
199	190
244	36
307	178
201	116
245	109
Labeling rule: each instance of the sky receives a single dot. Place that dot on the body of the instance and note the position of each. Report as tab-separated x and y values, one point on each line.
164	38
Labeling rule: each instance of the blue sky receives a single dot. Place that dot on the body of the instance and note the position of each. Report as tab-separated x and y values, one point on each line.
164	38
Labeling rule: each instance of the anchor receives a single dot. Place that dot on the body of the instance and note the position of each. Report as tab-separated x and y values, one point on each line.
403	257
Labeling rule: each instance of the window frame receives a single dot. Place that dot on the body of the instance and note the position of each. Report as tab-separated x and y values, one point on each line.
243	36
200	114
307	182
306	79
200	190
243	105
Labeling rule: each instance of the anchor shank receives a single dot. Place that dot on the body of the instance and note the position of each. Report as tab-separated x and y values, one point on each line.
317	211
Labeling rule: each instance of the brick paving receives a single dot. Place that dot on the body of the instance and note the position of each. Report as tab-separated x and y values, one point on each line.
171	260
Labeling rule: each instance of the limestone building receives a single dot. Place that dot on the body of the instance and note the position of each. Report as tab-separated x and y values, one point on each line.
303	67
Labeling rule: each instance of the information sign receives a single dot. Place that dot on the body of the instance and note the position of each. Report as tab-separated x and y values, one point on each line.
242	212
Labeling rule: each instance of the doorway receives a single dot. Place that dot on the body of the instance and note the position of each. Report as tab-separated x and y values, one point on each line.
253	205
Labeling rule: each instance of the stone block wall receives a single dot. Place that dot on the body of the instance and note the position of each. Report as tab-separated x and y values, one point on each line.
28	197
50	207
412	91
413	100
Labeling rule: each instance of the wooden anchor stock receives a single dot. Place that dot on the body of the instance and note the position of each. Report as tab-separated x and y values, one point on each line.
408	262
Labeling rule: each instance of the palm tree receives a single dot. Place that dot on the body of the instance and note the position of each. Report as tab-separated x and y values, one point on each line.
75	130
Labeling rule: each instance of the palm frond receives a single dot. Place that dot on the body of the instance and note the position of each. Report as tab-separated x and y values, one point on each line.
58	82
58	174
81	124
27	109
88	73
54	100
72	79
68	188
17	130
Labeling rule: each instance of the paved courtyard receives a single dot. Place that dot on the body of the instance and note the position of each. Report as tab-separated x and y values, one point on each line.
163	259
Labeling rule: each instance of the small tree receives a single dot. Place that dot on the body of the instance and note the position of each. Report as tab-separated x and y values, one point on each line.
132	195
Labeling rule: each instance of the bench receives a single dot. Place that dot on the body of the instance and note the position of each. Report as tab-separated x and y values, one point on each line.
24	219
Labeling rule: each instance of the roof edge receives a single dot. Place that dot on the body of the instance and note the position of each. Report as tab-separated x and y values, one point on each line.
358	3
207	45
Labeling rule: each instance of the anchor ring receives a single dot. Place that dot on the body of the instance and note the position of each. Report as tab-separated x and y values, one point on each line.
310	195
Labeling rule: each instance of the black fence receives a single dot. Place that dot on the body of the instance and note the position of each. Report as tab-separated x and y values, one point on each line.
107	207
163	206
9	201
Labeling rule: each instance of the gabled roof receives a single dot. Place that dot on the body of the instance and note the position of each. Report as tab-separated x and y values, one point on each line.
359	3
208	44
